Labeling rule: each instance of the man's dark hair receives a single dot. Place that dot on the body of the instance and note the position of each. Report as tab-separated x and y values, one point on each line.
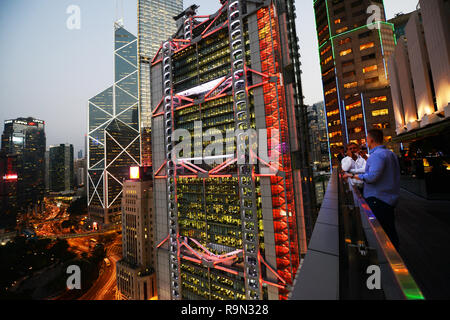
376	135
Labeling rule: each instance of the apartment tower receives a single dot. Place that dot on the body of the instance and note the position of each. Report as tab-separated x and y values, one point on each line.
355	42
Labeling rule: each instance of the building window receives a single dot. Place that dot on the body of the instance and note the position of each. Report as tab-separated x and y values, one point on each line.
327	60
370	69
335	134
378	99
348	63
345	52
341	30
325	50
366	46
385	125
350	85
371	80
353	105
330	91
349	74
344	41
332	113
356	117
380	112
330	103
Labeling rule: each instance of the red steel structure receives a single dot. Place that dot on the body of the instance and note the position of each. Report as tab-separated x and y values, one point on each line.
227	229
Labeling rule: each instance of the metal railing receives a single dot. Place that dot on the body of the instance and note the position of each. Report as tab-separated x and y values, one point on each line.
363	250
397	282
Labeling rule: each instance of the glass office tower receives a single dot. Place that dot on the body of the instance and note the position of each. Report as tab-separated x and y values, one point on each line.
113	133
354	50
227	229
61	176
155	24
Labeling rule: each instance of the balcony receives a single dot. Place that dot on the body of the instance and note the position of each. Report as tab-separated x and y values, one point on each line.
349	251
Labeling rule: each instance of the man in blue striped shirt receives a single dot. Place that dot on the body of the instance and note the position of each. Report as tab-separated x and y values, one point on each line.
381	183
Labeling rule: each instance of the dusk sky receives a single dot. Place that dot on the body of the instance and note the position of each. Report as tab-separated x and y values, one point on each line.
49	72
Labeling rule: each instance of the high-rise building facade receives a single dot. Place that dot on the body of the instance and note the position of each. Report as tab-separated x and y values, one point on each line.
318	137
420	85
61	168
113	132
8	190
354	46
228	227
420	68
136	271
155	25
79	171
25	137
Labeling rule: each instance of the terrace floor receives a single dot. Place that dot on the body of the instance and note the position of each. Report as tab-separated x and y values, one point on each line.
424	231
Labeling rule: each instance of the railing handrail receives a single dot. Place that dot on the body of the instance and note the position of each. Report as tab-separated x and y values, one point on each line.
386	250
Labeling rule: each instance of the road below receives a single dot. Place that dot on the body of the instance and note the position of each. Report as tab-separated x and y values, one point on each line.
105	287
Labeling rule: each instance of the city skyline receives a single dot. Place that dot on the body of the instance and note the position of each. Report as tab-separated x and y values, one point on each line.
252	150
80	51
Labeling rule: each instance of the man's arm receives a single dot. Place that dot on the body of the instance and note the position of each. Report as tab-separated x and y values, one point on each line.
375	170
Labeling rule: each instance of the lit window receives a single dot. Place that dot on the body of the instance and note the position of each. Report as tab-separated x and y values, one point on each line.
337	21
378	99
350	85
380	112
332	113
357	117
341	30
344	41
335	134
366	46
327	60
325	50
330	91
353	105
345	52
369	69
330	103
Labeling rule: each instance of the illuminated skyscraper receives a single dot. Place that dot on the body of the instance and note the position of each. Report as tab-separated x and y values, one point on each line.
227	228
25	137
113	133
8	190
354	47
155	24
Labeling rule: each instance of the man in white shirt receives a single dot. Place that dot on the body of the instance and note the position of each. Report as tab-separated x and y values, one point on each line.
355	162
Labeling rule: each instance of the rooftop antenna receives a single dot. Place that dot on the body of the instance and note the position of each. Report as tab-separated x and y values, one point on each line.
119	20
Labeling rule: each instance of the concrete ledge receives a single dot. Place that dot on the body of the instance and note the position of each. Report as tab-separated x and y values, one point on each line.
318	278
